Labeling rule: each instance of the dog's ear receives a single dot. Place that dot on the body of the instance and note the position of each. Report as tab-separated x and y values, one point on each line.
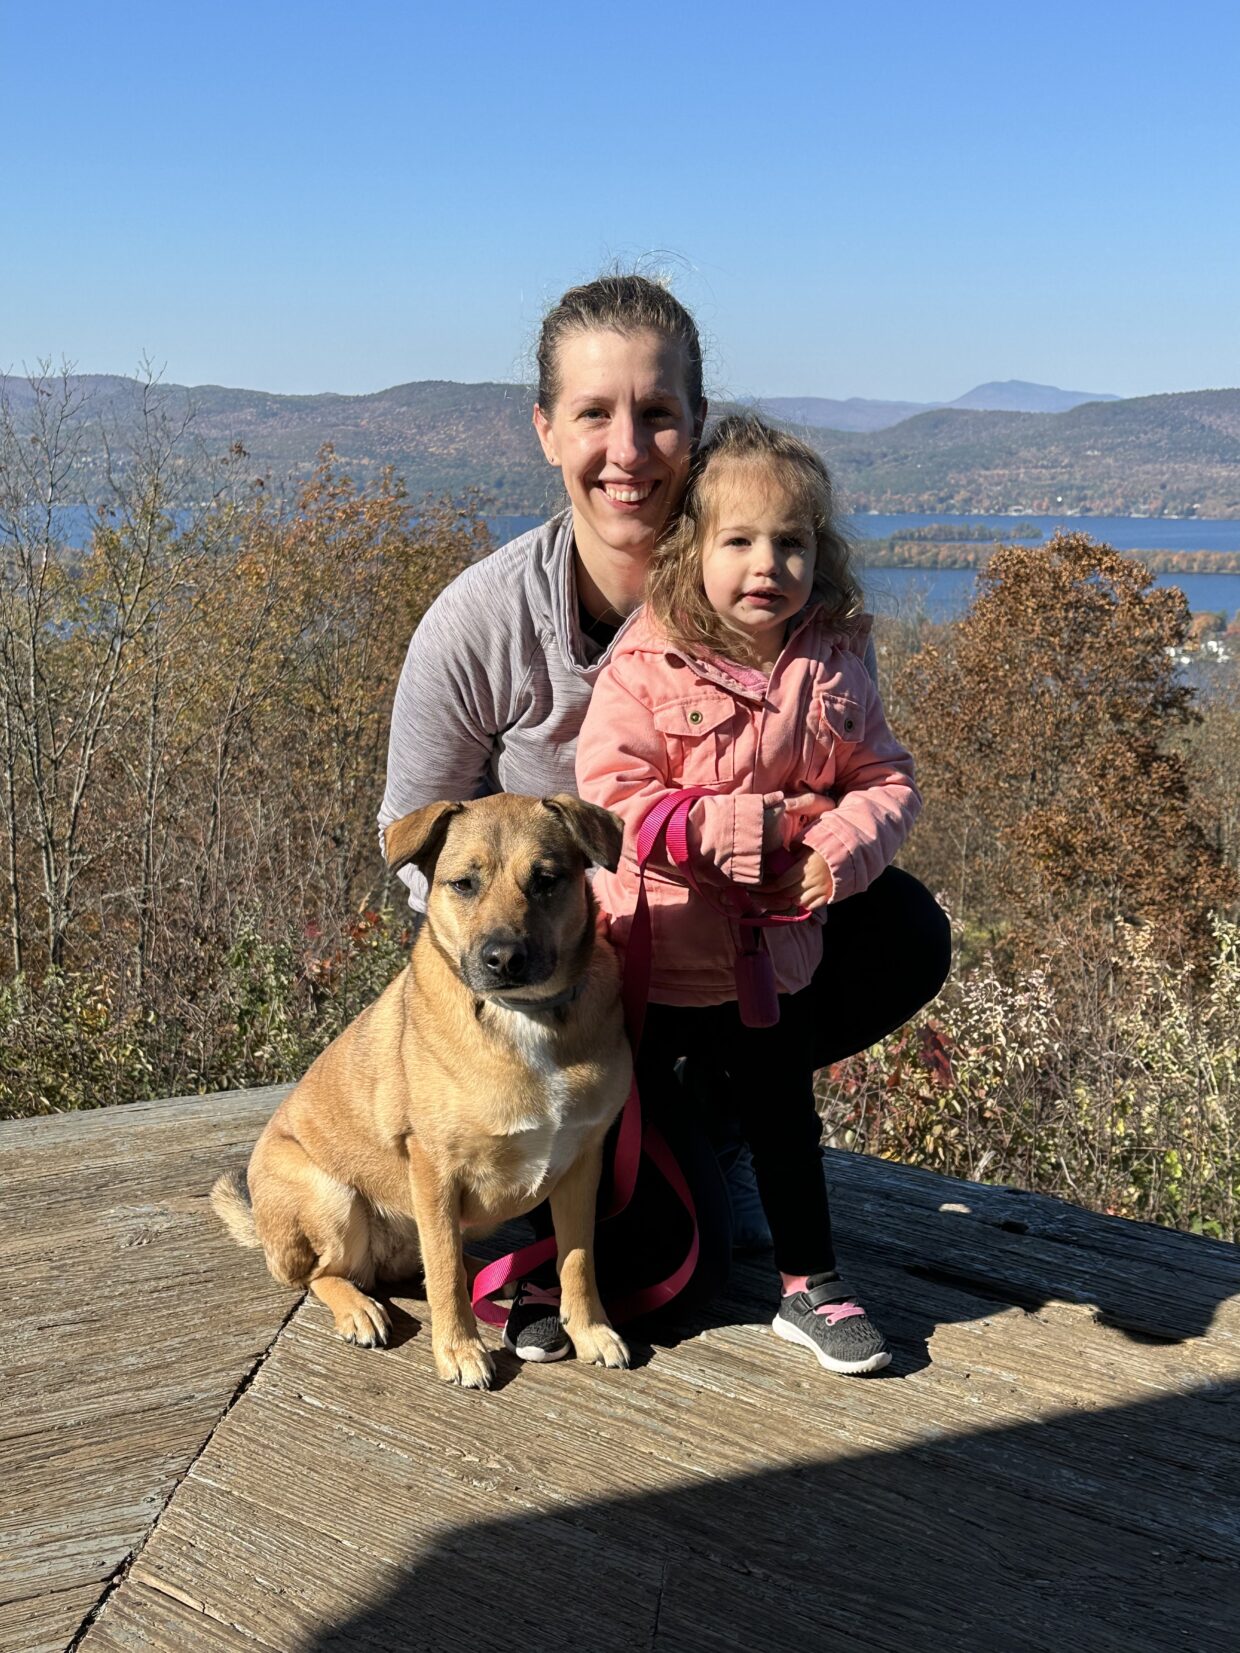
597	833
418	837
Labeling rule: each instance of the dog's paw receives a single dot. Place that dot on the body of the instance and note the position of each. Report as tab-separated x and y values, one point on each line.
600	1344
466	1363
366	1323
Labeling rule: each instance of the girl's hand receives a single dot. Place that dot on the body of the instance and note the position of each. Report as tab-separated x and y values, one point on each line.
806	883
806	807
817	884
786	818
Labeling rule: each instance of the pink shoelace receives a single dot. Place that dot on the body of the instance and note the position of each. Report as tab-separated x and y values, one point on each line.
845	1309
540	1294
831	1312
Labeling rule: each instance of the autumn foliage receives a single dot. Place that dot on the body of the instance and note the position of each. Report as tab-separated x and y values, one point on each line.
193	745
1048	727
1080	826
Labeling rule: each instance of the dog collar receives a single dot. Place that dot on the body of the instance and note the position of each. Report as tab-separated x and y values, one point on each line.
531	1006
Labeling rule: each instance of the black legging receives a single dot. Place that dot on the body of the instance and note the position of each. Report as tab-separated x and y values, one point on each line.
886	953
762	1080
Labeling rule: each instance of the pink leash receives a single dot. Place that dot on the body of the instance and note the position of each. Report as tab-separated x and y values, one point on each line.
757	997
629	1148
756	993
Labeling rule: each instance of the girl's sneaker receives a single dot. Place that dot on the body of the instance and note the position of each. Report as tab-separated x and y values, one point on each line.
826	1319
534	1330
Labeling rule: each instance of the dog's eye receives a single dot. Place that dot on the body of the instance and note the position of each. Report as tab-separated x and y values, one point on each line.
542	883
463	886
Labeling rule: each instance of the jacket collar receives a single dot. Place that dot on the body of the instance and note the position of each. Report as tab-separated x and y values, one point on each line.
642	636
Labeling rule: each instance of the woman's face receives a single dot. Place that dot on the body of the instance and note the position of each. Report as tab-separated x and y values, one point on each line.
622	432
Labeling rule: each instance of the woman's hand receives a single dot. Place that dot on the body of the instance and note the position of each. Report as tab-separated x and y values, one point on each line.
778	892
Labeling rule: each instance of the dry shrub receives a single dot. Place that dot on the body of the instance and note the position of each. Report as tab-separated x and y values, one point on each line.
1047	729
1213	751
191	758
1116	1086
277	998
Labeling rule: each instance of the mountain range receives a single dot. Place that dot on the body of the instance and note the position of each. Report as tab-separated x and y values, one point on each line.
859	413
1151	455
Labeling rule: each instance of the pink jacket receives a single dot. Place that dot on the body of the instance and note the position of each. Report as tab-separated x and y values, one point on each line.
659	720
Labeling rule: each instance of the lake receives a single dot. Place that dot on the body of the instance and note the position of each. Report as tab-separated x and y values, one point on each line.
944	593
1124	533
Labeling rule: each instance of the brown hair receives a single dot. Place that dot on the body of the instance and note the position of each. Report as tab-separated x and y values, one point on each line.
674	590
624	304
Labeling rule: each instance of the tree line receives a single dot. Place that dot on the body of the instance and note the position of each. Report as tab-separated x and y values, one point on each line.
933	548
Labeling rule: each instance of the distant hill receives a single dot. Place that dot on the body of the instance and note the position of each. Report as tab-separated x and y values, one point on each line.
1019	396
859	413
1177	454
1152	455
442	437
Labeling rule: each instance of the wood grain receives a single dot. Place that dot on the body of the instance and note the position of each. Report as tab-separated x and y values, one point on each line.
1051	1463
130	1322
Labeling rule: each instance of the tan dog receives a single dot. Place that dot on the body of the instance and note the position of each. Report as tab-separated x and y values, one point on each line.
481	1081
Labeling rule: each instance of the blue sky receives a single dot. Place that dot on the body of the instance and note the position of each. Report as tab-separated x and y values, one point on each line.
897	200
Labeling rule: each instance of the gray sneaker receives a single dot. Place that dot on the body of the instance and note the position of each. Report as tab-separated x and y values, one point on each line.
534	1330
826	1319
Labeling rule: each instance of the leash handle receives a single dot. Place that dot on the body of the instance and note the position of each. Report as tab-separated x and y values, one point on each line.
638	953
756	990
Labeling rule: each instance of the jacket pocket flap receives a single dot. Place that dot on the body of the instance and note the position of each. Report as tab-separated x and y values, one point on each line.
694	717
843	716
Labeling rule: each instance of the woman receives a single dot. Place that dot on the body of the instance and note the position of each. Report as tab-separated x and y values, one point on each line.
496	684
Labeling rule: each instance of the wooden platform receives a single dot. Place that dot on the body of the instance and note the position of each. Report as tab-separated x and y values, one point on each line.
191	1460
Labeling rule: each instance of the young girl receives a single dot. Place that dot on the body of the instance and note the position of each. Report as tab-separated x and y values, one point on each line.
745	674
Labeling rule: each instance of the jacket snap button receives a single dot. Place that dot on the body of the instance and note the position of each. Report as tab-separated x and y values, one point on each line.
695	717
848	723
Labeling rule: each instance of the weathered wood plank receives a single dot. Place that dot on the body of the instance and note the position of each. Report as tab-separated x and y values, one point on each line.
130	1321
45	1623
692	1497
1052	1218
1028	1249
140	1617
1037	1462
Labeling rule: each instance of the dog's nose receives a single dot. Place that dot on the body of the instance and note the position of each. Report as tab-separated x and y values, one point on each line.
506	959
